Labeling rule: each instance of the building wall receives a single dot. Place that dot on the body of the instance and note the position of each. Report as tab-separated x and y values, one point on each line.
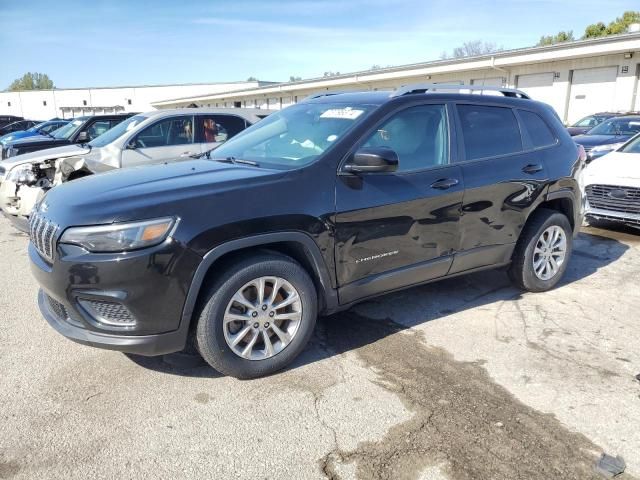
67	103
583	78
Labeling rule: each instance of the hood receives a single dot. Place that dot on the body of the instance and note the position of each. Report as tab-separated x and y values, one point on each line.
577	130
615	168
41	155
595	140
13	136
149	191
37	138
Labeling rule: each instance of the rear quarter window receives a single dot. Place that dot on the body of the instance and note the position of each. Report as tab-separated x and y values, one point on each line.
539	132
489	131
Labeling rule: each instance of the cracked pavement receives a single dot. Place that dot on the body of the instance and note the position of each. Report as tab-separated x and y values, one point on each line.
467	378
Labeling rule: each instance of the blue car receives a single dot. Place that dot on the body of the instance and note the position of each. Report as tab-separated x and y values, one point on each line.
608	136
44	128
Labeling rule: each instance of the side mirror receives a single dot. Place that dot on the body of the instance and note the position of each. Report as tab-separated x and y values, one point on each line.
131	145
373	160
83	137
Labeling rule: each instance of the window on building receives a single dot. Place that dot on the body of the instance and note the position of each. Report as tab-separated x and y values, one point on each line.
128	101
538	130
44	103
8	104
489	131
419	135
237	104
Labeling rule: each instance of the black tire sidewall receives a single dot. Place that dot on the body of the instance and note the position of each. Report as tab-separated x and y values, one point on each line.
209	331
529	279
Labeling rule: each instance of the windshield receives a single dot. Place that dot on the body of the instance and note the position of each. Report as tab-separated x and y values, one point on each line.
117	131
590	121
69	129
633	146
295	136
617	126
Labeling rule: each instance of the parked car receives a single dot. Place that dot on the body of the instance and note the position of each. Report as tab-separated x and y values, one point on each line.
79	130
608	136
328	202
43	128
18	126
143	139
612	186
7	119
585	124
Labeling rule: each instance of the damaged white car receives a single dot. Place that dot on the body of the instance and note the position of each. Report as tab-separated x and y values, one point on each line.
144	139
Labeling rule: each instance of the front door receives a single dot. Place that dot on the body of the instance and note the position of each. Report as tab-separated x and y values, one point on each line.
168	140
401	228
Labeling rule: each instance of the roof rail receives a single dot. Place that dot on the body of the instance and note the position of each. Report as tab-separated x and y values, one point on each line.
327	94
427	87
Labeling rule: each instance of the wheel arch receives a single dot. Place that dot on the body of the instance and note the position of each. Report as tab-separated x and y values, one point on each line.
562	201
296	245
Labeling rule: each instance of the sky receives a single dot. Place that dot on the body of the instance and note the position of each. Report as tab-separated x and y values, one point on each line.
119	42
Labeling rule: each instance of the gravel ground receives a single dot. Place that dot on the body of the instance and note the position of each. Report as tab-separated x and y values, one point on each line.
463	379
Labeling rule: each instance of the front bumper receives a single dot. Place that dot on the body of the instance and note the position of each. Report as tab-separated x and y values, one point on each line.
19	200
611	216
149	285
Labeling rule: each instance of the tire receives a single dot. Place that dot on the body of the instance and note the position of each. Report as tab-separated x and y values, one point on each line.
214	336
522	271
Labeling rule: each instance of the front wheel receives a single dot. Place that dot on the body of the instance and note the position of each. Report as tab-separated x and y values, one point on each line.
542	252
257	317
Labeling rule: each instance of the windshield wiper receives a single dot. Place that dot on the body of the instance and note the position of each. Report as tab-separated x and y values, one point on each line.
236	161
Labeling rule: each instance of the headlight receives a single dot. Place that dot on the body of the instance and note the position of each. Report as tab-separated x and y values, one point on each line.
22	174
120	237
606	148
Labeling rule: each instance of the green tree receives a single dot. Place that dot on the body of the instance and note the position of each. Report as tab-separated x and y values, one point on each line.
32	81
557	38
293	78
619	25
252	79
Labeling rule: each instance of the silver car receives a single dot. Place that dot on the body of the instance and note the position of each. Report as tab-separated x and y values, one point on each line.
144	139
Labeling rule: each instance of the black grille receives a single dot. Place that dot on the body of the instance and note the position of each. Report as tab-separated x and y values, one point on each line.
57	308
43	235
614	198
110	313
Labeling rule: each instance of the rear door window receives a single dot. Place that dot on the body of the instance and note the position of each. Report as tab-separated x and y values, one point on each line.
489	131
539	132
219	128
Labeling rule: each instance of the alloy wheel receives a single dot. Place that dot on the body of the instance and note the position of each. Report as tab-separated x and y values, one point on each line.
262	318
550	252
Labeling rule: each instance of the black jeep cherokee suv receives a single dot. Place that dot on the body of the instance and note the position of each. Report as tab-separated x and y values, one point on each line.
326	203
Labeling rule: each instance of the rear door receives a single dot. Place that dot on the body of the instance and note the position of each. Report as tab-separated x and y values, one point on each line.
167	140
504	175
401	228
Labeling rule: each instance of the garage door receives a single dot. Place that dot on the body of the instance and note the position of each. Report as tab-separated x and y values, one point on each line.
538	86
488	82
592	90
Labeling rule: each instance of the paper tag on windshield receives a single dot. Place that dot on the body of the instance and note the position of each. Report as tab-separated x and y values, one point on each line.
346	113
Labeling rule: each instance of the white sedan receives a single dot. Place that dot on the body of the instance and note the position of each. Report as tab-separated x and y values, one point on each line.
612	185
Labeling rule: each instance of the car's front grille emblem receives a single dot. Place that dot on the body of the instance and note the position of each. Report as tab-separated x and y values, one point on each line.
43	235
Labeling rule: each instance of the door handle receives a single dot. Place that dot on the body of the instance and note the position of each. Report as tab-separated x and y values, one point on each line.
532	168
445	183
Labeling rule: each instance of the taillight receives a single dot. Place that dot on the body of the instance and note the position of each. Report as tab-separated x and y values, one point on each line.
582	155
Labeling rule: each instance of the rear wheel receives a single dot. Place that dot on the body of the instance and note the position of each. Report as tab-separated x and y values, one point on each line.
258	317
542	252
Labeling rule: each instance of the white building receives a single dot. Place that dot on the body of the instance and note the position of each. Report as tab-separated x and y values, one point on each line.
576	78
72	102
